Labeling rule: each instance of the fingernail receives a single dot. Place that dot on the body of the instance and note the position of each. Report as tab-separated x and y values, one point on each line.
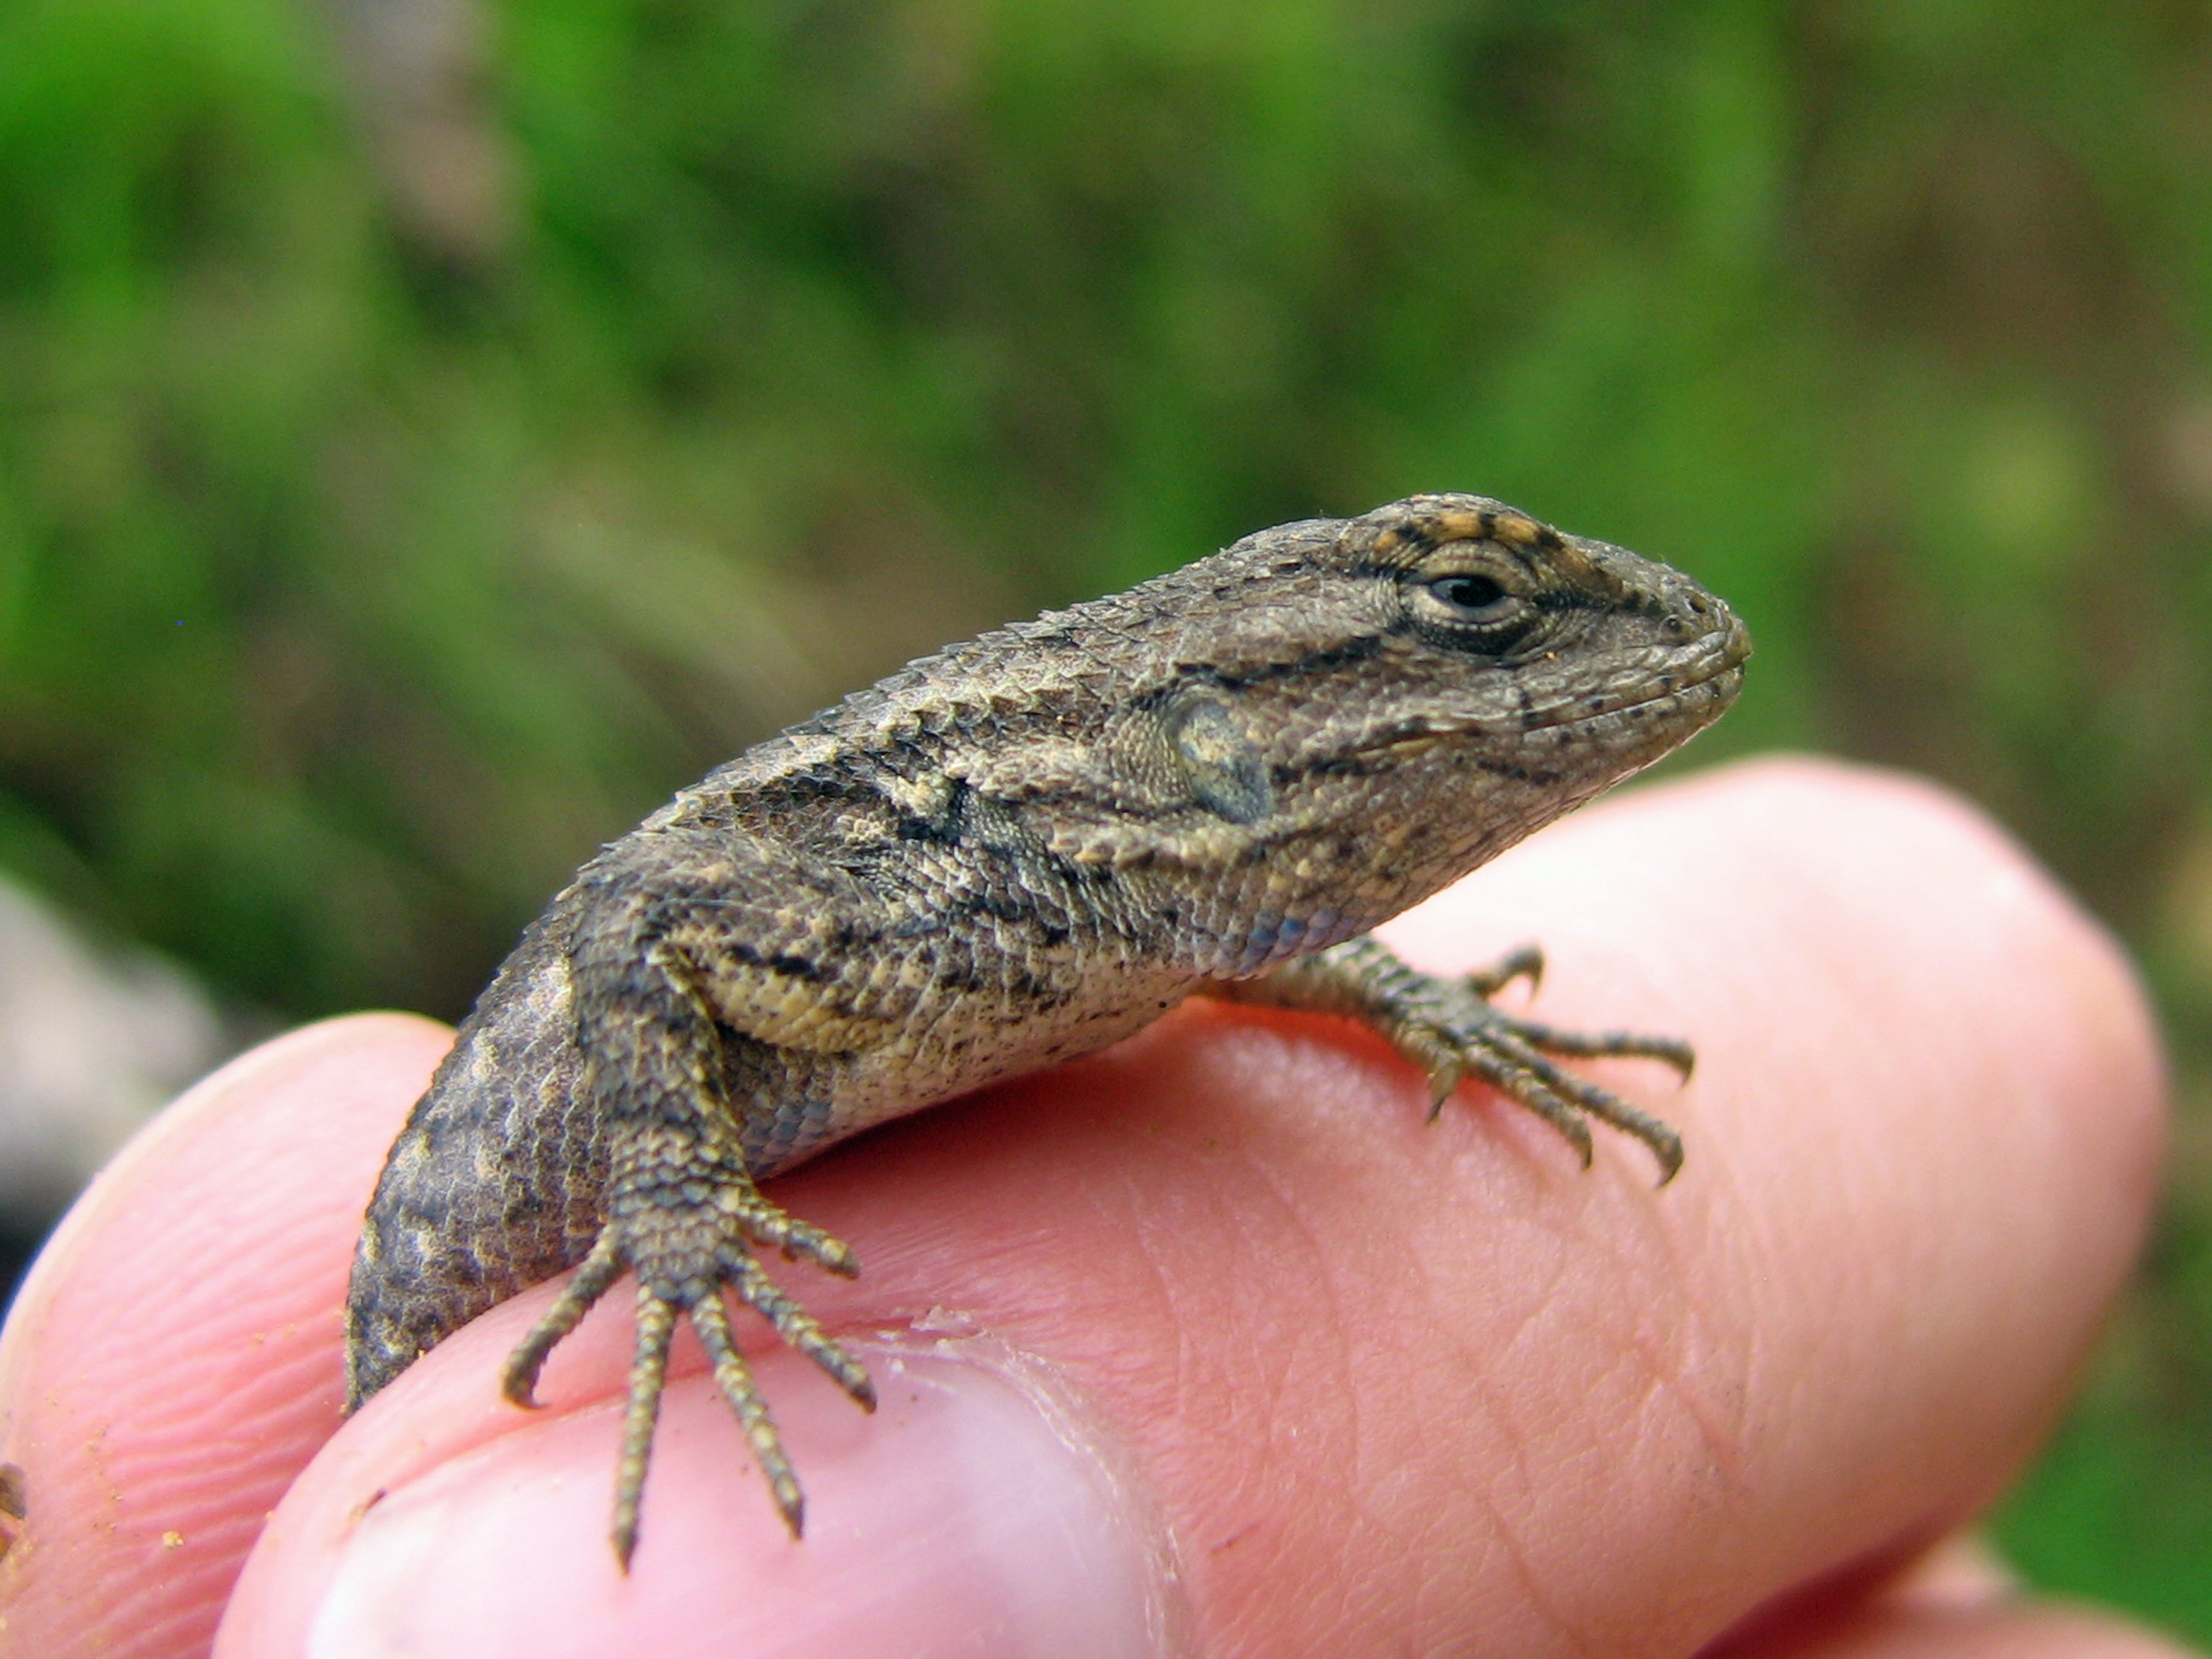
963	1517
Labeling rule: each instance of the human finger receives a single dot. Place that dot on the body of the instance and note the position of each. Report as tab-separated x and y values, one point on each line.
1293	1373
173	1357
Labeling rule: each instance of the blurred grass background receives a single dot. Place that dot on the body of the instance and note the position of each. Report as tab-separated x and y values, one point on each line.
430	431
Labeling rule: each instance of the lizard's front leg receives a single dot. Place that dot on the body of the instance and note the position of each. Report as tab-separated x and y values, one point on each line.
1450	1029
683	1212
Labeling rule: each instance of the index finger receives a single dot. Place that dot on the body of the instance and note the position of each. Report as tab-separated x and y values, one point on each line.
1211	1334
174	1359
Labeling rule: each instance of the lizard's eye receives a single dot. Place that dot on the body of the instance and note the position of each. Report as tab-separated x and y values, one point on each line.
1469	610
1475	598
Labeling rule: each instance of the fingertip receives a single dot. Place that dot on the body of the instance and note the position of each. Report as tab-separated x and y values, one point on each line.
967	1504
173	1357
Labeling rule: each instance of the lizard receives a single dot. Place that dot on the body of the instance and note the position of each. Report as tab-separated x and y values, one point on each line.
1012	851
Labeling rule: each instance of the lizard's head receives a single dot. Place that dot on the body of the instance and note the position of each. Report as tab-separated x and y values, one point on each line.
1301	735
1425	684
1569	654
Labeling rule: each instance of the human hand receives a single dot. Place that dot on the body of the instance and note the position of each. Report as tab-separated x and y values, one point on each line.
1210	1344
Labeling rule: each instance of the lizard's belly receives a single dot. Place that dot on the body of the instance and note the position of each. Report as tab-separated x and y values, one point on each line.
939	1053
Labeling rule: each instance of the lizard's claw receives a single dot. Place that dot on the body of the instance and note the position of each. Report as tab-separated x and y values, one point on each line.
1454	1032
683	1262
1526	961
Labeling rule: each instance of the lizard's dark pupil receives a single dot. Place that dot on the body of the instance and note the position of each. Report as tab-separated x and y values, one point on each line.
1468	593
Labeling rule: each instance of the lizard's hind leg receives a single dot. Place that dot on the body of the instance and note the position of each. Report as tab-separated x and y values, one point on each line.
682	1214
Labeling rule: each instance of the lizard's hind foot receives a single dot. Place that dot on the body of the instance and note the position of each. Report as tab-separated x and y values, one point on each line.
684	1260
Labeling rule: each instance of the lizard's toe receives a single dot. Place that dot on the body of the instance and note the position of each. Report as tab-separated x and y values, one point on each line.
685	1257
1514	1055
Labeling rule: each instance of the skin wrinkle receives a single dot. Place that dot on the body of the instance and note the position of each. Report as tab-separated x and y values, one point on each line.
1320	1358
1759	1246
1698	1349
1175	1385
1263	1401
1503	1537
1867	1201
1515	1486
1668	1399
1342	1304
1372	1080
1723	1430
1514	1547
1669	1360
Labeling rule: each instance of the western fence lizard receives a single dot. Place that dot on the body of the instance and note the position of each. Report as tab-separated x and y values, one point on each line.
1016	851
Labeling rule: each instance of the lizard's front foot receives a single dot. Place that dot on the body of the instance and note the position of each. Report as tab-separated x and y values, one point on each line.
686	1240
1450	1030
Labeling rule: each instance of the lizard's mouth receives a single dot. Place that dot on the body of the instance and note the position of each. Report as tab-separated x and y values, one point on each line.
1709	672
1706	681
1715	684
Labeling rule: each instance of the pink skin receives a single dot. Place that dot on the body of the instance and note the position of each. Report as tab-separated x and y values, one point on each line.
1212	1344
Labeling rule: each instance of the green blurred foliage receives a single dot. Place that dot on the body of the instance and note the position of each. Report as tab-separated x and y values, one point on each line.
429	433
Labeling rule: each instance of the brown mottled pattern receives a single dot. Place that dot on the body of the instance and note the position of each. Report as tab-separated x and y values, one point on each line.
1017	850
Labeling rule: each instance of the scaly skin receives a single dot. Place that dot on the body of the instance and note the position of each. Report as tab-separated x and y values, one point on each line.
1019	850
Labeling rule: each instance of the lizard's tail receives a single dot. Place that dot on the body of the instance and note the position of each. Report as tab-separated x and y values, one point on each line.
493	1186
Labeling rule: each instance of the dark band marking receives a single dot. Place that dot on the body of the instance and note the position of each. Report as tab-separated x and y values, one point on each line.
777	962
1357	649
